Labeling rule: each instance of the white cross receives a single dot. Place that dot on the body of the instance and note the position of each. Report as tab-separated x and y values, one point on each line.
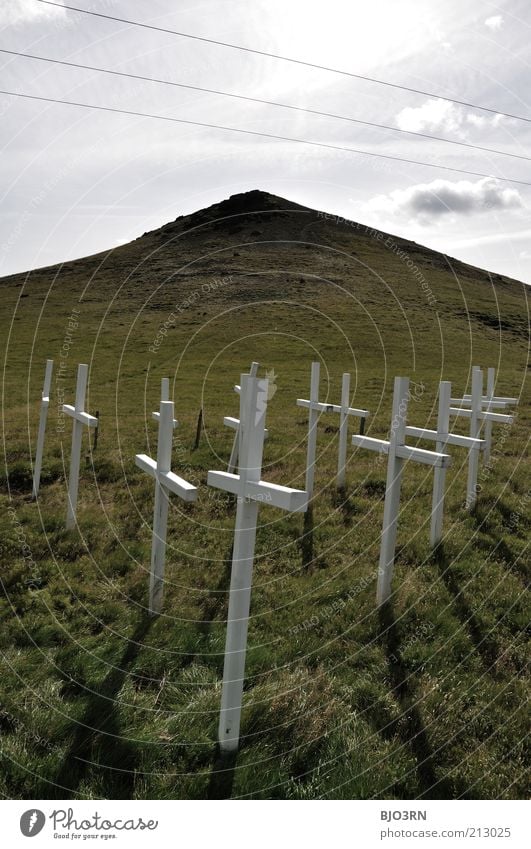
250	491
315	407
397	451
478	415
164	396
442	438
234	423
165	482
80	418
490	401
45	402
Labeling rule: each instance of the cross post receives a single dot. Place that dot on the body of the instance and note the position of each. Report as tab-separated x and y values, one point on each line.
397	451
472	408
80	418
45	402
250	491
315	407
442	438
164	396
165	482
235	424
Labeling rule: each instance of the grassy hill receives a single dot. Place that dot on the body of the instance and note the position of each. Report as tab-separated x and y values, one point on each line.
427	698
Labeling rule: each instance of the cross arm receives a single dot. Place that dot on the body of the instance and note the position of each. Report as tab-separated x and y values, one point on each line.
499	400
185	490
331	408
420	455
156	416
448	438
379	445
486	402
84	418
234	423
284	497
485	417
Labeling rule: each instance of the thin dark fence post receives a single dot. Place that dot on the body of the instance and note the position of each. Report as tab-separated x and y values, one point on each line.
96	431
198	429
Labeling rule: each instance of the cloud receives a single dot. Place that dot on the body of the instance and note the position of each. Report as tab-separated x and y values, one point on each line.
494	23
432	115
27	11
436	114
428	201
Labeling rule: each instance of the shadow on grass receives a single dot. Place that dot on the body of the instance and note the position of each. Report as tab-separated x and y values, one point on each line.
98	744
306	540
413	731
484	644
222	775
216	600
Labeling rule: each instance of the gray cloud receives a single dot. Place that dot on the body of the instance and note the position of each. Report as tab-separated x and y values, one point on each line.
427	201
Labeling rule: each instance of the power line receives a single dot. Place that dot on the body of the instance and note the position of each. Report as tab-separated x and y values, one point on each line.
284	59
262	135
250	99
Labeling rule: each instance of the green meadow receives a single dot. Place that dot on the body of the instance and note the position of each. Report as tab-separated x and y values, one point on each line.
426	698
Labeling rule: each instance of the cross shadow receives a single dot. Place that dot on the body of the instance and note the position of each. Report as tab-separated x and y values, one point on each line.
98	743
306	540
345	503
485	645
413	731
222	775
215	601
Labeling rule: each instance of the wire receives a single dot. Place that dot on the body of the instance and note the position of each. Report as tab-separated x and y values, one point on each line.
262	135
284	59
265	102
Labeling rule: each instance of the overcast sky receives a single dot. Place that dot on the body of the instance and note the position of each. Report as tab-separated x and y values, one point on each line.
74	182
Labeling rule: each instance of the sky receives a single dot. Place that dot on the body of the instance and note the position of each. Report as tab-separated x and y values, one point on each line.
76	181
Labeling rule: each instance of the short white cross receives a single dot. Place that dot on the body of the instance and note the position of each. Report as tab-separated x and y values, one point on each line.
489	402
80	418
315	407
251	491
397	451
442	438
164	396
45	402
478	415
165	482
234	423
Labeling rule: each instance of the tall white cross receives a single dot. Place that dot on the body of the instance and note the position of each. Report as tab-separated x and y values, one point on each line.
234	423
442	438
315	407
397	451
251	491
165	482
45	402
80	418
473	409
489	402
164	396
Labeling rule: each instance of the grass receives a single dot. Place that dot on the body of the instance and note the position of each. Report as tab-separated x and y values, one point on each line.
426	698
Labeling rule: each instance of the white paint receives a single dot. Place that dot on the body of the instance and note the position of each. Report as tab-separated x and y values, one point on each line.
45	403
442	438
165	482
489	402
472	408
397	451
233	460
164	396
251	491
80	418
315	407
